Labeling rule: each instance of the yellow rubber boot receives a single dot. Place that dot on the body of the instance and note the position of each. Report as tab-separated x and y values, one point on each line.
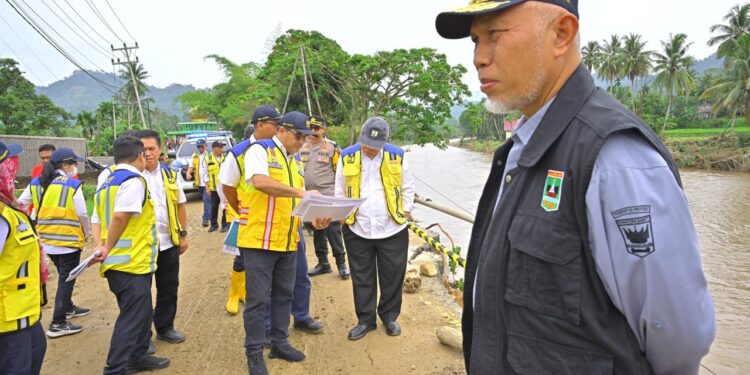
242	287
236	289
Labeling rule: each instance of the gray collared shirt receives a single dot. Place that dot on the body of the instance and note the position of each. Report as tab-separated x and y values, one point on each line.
663	295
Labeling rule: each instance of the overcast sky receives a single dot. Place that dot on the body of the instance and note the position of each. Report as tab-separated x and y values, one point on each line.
175	36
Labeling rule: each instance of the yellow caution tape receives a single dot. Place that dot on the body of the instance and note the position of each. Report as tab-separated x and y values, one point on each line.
437	245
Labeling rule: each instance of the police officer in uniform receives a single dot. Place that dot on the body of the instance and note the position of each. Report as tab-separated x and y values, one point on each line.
583	258
129	256
376	236
22	342
321	157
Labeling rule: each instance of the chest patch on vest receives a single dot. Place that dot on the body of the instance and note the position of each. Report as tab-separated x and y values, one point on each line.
635	226
552	190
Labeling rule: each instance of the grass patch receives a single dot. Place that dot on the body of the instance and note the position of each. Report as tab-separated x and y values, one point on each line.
700	133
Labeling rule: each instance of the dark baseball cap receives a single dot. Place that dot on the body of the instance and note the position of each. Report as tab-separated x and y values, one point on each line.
200	142
217	144
374	133
456	23
63	155
9	149
297	121
266	112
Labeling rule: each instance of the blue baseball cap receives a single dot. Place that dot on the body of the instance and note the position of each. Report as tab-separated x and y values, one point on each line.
9	150
63	155
265	113
200	142
456	23
297	121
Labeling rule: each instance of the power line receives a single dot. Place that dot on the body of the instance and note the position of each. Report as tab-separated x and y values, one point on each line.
54	44
87	24
58	34
101	18
29	48
118	20
96	47
21	60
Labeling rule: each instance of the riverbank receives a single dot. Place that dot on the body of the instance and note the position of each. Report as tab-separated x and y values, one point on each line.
730	152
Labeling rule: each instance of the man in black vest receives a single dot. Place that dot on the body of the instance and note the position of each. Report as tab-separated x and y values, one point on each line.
583	258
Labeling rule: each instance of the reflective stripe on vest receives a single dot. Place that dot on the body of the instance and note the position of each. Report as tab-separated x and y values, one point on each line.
20	283
57	220
391	169
243	188
269	223
137	249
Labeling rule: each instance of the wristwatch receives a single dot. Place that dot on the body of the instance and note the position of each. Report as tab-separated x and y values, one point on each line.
183	233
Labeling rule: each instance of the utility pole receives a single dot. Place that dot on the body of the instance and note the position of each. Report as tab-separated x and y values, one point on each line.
114	120
126	52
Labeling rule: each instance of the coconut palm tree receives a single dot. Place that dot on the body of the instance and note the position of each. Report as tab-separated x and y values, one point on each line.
737	24
731	91
136	79
672	67
591	53
636	62
610	64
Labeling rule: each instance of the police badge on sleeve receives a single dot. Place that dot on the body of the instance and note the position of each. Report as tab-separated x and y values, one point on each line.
636	229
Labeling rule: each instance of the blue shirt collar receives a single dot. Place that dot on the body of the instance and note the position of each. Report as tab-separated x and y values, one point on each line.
527	126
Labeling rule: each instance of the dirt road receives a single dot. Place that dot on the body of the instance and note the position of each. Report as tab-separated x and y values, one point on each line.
215	339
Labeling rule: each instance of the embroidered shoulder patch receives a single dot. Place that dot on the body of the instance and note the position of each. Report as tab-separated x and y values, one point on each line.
635	226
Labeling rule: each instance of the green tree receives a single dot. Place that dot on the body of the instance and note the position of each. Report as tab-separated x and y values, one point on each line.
636	62
591	54
22	111
731	91
610	61
737	24
672	67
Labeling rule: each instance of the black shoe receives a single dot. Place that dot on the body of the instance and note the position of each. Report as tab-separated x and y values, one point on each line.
286	353
224	228
320	269
76	312
63	329
310	326
392	328
213	228
151	347
171	336
343	271
360	330
256	364
147	363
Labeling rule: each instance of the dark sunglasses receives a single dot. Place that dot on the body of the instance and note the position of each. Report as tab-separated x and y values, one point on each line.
298	135
315	127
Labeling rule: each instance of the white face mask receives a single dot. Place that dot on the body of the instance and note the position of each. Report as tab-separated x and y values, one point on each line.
73	172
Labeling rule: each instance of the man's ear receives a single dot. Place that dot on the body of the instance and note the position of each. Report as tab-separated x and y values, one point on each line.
566	32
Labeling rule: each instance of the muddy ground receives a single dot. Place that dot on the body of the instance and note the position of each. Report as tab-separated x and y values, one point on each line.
214	342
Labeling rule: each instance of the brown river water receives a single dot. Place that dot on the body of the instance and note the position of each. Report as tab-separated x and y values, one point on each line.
720	203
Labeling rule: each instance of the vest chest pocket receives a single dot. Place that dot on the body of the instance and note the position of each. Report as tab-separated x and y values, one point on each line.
544	267
351	170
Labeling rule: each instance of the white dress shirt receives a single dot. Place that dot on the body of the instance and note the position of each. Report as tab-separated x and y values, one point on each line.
80	206
256	161
129	197
373	221
202	169
156	187
229	172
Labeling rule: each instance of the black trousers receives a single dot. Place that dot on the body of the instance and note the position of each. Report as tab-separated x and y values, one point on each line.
215	202
373	261
167	277
269	278
132	330
332	235
22	352
64	295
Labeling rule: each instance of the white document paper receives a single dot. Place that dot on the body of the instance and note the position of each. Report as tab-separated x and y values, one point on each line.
315	206
81	267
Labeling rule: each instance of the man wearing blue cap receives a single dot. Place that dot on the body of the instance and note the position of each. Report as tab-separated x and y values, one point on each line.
573	265
199	165
268	238
22	342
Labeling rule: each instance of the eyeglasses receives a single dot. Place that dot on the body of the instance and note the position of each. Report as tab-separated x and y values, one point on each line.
315	127
297	135
201	146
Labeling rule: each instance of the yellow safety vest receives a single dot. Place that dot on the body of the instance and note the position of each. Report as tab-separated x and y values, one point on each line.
136	250
390	173
173	196
20	283
57	223
213	164
243	188
269	224
197	168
